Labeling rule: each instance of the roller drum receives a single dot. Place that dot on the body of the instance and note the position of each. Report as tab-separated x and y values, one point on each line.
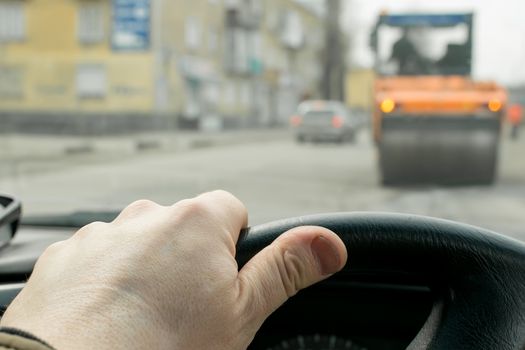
442	150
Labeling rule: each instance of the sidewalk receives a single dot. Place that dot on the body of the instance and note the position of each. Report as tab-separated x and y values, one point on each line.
28	147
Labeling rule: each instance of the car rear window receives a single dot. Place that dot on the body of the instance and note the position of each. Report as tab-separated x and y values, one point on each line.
318	115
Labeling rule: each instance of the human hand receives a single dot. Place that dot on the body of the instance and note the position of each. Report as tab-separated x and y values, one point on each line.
166	278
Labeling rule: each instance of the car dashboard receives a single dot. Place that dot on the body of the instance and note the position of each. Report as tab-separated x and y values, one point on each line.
342	313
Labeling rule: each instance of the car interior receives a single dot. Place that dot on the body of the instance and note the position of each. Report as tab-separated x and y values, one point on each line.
398	125
411	282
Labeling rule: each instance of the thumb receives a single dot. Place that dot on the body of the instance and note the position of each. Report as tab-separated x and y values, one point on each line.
297	259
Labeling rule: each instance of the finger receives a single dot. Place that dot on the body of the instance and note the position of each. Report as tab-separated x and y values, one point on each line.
225	209
136	209
297	259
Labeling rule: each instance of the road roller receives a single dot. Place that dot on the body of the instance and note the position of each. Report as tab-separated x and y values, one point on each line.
433	123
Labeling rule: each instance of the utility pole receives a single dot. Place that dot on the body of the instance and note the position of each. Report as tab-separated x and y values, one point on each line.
162	58
332	84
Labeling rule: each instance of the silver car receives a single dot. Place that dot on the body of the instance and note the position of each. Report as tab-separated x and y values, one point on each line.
324	121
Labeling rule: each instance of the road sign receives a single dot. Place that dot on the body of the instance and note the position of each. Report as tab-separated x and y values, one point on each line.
131	25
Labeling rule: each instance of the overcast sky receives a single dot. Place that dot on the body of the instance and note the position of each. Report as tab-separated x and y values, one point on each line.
499	31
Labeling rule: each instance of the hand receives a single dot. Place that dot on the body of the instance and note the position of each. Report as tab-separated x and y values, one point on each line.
166	278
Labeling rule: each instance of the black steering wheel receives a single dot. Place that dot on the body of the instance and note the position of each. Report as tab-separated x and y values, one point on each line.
478	275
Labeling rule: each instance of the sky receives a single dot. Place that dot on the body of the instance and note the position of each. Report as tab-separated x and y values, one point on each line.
499	32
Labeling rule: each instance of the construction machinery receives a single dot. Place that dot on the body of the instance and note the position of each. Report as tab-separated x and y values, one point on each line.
432	122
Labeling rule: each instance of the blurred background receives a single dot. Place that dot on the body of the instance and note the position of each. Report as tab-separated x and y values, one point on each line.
93	66
295	106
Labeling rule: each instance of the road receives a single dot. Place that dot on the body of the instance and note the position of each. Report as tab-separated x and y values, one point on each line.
275	179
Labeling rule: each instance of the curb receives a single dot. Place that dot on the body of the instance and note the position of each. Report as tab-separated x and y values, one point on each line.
19	147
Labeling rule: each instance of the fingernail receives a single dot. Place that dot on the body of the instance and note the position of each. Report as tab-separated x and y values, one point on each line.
327	255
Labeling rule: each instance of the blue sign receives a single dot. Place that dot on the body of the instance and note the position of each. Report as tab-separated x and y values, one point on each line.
131	25
433	20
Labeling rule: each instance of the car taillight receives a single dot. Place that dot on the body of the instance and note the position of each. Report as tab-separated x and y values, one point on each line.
337	121
296	120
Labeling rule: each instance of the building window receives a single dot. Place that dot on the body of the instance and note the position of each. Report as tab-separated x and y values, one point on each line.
236	50
213	39
293	35
212	93
12	21
90	23
272	20
245	94
241	50
229	47
11	82
228	93
232	4
316	37
91	81
192	33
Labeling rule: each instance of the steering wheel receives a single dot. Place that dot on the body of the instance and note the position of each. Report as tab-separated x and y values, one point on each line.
477	275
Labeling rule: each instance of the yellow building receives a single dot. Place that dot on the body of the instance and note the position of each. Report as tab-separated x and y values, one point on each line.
156	62
360	89
58	58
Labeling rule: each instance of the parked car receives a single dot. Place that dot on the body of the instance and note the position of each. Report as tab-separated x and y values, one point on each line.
324	121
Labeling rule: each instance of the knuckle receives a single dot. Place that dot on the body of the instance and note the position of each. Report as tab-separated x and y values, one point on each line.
142	204
191	207
226	204
53	252
136	208
90	228
227	197
221	196
292	272
95	225
54	248
222	193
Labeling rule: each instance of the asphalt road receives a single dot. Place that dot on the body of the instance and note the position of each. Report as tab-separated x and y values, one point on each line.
275	179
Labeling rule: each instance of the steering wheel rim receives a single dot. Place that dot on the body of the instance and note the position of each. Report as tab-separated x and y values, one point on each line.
478	275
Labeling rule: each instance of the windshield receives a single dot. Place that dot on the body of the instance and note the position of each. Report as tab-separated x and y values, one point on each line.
421	50
103	102
321	110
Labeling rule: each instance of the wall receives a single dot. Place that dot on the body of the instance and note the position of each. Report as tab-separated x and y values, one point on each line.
45	63
359	89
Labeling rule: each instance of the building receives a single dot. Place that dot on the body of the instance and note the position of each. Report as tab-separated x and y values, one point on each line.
116	65
293	42
360	89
